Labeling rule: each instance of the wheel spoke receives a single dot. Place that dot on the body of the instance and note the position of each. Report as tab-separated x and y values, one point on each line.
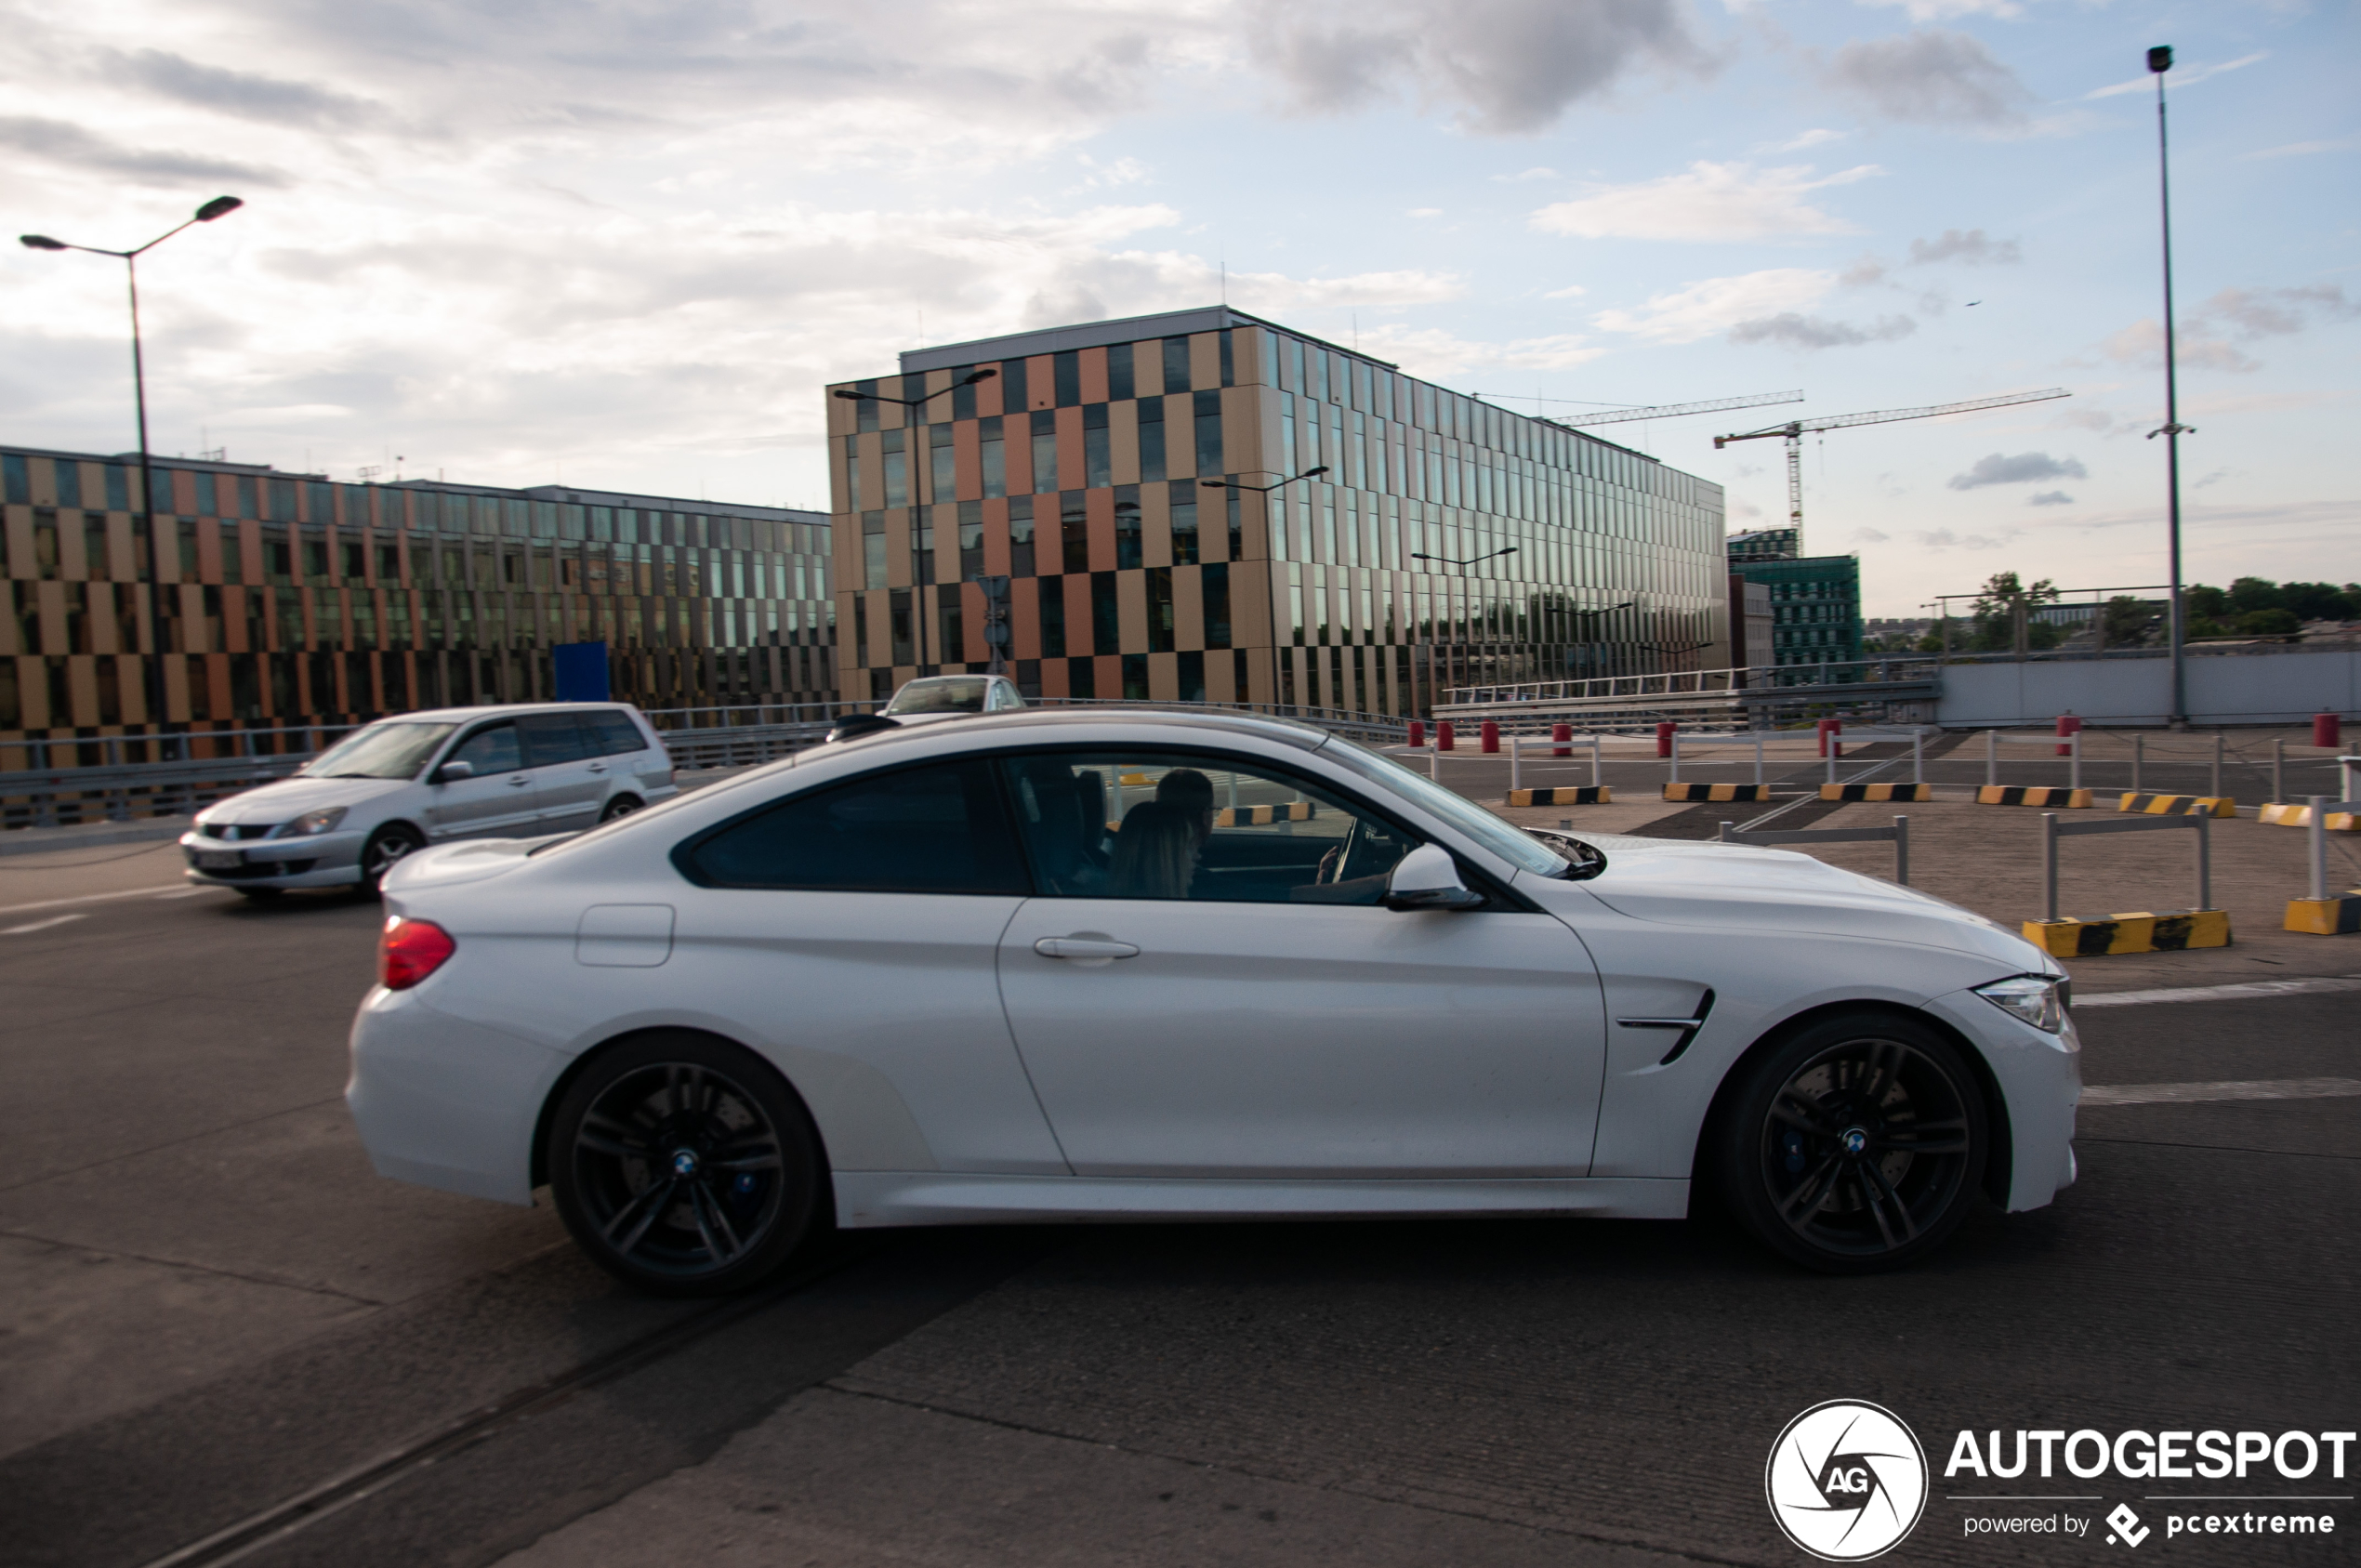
701	1204
1792	1108
1820	1186
647	1213
1876	1177
1884	1057
746	1154
608	1136
1925	1137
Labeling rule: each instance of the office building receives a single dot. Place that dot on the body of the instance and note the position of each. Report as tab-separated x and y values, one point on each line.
1815	606
287	600
1449	542
1765	544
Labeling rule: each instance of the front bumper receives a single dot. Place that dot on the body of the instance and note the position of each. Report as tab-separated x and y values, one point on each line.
323	860
2041	1078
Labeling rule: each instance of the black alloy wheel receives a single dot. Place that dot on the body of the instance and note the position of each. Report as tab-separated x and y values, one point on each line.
385	847
684	1164
1857	1145
621	806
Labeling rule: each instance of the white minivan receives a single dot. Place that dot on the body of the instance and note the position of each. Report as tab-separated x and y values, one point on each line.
523	770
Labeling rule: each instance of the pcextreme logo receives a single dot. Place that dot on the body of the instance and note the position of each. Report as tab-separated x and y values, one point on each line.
1846	1481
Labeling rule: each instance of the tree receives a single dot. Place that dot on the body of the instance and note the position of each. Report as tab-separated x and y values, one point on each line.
2269	622
2128	621
1996	612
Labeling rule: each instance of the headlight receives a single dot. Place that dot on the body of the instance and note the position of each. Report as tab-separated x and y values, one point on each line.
322	821
2035	998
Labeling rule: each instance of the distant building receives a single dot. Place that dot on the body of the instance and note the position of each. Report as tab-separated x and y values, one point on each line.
1815	606
1885	630
1764	543
290	600
1751	624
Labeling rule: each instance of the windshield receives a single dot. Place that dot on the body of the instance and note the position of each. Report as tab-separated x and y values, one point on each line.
394	750
1518	849
940	696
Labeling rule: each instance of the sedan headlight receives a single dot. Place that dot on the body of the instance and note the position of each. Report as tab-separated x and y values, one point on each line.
2035	998
310	823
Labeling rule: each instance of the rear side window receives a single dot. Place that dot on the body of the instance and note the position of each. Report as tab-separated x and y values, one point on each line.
553	737
938	829
491	749
615	733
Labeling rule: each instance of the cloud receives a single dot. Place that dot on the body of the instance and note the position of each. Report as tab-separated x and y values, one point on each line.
2247	314
1709	202
1424	212
1871	536
1811	332
1930	77
1862	274
1937	11
246	96
1815	137
1715	305
2302	149
1524	175
1058	306
1945	539
1433	354
1504	67
61	142
2049	499
2142	344
1968	245
1572	291
2179	79
2027	467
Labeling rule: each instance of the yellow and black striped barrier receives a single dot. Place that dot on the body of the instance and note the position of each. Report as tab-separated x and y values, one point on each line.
1264	816
2179	805
1876	792
1573	795
2338	917
1716	792
2021	795
2292	815
2170	933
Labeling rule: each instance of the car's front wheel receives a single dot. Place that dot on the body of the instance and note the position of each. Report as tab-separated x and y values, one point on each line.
1856	1145
388	845
684	1164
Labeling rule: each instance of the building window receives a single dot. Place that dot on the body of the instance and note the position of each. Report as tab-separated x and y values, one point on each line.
1152	461
995	457
1214	587
1127	526
1065	370
1184	522
1159	580
1097	470
1107	623
1020	558
1176	364
1053	618
941	475
971	539
1075	531
1208	409
1120	382
872	550
897	470
1045	451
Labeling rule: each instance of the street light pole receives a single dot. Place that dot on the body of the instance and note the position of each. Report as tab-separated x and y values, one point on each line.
919	460
2176	625
220	206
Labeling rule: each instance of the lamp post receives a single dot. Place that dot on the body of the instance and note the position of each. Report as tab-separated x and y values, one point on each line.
919	574
220	206
2176	624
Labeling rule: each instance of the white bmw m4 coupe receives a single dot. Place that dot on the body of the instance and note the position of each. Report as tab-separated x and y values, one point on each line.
1133	965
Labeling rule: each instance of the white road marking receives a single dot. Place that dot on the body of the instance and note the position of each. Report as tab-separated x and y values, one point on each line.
184	894
2237	1089
90	898
2220	993
43	925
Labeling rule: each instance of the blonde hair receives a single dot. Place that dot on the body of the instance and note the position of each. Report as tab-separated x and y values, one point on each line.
1155	852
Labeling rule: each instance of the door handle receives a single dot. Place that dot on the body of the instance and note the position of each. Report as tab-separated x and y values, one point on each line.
1084	948
519	782
598	766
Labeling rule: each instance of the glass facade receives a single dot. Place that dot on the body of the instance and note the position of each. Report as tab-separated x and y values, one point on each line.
288	599
1077	469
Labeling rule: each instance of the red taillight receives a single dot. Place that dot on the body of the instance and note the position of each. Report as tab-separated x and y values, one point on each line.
408	951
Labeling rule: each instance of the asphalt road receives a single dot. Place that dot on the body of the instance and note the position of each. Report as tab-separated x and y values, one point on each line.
217	1320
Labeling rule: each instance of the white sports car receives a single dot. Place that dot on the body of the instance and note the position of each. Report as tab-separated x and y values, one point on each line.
1129	965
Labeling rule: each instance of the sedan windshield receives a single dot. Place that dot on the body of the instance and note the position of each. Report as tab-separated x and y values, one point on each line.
951	694
394	750
1519	849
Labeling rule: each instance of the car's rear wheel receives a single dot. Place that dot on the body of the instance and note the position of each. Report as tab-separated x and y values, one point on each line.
684	1164
385	847
621	806
1856	1145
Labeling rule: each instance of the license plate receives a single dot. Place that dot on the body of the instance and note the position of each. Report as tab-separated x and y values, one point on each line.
220	860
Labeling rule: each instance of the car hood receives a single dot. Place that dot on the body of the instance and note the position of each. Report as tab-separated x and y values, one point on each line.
284	800
1696	883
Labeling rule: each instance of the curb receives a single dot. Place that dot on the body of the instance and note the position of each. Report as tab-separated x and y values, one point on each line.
2179	805
1577	794
2021	795
1876	792
1716	792
2170	933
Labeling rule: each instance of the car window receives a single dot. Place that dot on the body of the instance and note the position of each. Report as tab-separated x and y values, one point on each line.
1103	825
616	732
1518	848
551	738
390	750
936	829
940	694
491	749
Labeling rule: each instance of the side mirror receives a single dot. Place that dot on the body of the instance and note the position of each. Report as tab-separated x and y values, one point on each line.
1429	879
452	772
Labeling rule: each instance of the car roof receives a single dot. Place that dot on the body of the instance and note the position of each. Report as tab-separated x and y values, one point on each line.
486	710
1179	724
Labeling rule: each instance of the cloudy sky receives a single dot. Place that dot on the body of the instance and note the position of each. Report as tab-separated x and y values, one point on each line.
623	244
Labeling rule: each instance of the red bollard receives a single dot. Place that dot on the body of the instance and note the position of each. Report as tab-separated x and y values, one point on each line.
2068	725
2325	730
1664	739
1490	733
1443	736
1559	735
1829	729
1417	734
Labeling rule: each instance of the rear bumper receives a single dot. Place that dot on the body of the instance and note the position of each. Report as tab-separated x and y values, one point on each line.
444	1102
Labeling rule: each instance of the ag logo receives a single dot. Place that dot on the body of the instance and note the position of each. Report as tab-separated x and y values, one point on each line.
1846	1481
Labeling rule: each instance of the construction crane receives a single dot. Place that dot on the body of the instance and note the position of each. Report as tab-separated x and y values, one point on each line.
1661	411
1795	429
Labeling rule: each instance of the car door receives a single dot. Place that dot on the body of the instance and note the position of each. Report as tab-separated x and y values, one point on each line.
861	919
499	798
569	776
1245	1007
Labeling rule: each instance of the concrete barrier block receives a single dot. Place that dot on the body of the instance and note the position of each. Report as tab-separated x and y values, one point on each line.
1716	792
1264	816
2338	917
1577	795
2292	815
2170	933
2179	805
1876	792
2020	795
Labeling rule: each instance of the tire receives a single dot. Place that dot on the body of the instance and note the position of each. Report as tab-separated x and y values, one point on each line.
621	806
385	847
1857	1145
684	1164
262	895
